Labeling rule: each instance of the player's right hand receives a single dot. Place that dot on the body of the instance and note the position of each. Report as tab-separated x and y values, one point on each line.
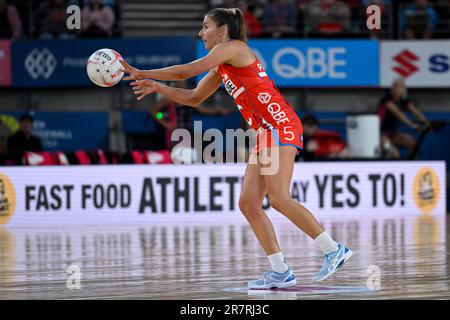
143	88
134	74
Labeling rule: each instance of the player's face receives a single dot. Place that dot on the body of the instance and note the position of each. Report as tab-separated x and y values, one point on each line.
209	33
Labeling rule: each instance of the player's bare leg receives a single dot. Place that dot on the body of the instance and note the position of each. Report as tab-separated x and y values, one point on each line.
278	186
250	202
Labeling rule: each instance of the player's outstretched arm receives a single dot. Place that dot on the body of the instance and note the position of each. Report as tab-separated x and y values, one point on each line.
218	55
205	88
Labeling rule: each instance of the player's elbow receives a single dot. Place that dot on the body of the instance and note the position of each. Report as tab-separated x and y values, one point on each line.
194	102
192	99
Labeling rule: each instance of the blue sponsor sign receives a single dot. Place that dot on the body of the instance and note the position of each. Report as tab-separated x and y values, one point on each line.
44	63
317	63
138	122
70	131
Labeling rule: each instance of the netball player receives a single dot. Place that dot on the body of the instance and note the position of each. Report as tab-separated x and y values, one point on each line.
231	61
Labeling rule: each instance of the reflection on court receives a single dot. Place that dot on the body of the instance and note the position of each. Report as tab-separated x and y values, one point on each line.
214	260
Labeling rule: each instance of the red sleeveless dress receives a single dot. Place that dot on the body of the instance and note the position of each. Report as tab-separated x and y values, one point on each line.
262	106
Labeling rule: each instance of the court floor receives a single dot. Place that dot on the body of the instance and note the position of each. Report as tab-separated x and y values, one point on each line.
394	258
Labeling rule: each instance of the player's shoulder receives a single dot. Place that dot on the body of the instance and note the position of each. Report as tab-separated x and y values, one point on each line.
234	43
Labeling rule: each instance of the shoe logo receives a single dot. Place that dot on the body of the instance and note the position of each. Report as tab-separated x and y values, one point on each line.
264	97
40	63
405	60
291	277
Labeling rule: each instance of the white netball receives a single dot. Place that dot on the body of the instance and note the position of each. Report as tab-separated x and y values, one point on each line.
103	67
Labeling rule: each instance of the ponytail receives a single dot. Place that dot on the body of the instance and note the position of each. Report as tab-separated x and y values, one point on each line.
234	19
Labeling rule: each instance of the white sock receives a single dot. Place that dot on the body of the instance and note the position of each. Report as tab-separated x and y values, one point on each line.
278	263
326	243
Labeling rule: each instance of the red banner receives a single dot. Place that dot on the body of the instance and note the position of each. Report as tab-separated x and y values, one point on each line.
5	63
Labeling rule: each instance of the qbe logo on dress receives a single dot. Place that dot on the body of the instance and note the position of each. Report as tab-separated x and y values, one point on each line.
7	199
264	97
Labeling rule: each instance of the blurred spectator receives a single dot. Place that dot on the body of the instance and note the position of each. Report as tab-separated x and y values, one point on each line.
254	27
280	19
171	115
443	9
302	4
381	3
51	19
418	20
328	18
23	140
221	4
97	20
10	23
319	143
4	133
81	3
8	125
391	109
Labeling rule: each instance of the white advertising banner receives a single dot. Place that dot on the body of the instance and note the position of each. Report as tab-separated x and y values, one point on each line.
420	63
134	193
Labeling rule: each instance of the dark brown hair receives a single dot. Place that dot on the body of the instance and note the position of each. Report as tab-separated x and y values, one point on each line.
234	19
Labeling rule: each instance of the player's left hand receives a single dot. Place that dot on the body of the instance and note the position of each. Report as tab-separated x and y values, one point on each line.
144	87
134	74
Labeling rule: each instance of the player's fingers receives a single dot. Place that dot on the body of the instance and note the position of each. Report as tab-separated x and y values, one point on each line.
125	64
142	96
130	77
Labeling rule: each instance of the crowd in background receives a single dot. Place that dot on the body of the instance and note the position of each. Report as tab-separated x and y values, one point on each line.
47	19
417	19
343	18
410	19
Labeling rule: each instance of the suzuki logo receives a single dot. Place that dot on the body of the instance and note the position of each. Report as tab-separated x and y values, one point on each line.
406	67
40	63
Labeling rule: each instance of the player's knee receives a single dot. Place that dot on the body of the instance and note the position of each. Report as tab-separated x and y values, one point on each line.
247	204
278	200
